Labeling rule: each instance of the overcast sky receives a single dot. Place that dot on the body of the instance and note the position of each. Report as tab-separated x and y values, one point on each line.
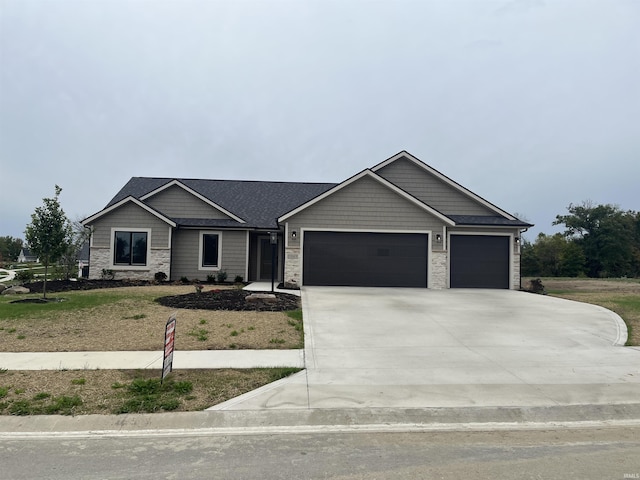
531	104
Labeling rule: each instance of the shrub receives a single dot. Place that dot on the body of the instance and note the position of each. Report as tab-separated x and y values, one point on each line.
24	276
160	277
211	279
222	276
184	280
238	279
107	274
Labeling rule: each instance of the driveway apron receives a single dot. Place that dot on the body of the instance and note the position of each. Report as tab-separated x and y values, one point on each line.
414	348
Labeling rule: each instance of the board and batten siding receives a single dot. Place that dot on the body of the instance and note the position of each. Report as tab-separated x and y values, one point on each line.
363	205
130	216
185	255
431	190
177	202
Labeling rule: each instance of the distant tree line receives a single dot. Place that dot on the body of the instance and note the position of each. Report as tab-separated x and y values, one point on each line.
10	249
598	241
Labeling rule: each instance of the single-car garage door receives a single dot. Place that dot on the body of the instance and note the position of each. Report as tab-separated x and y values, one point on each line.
365	259
479	261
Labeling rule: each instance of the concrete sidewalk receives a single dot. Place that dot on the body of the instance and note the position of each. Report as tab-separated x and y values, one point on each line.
183	359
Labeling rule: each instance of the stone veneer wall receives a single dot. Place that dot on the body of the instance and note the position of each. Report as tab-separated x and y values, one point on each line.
292	268
516	271
159	261
438	278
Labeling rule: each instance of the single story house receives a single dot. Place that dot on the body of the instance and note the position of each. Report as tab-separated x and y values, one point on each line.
399	223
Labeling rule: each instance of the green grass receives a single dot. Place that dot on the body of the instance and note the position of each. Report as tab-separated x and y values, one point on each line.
152	395
73	301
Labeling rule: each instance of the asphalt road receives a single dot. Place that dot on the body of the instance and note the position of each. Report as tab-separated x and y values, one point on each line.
585	453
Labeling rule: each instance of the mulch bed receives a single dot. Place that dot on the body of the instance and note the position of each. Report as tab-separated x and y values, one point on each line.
232	299
54	286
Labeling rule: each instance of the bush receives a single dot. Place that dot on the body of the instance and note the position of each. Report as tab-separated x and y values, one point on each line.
160	277
222	276
107	274
24	276
238	279
211	279
184	280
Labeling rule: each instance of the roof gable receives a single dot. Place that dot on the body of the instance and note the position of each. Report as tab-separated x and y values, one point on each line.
197	195
487	206
125	201
368	174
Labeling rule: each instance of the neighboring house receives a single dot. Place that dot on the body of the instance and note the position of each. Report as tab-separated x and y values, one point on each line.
399	223
26	256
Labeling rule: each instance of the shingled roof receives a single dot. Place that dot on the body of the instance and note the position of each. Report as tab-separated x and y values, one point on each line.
258	203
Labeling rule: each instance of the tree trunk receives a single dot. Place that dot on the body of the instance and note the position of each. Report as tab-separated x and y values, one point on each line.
46	271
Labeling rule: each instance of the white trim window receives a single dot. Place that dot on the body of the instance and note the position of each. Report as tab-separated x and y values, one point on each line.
130	247
210	250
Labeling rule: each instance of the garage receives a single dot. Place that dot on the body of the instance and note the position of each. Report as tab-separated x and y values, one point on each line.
479	261
365	259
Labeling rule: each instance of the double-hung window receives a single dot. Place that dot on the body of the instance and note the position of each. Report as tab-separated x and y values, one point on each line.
210	250
130	248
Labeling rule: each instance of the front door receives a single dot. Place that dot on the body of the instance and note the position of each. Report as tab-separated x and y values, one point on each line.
264	259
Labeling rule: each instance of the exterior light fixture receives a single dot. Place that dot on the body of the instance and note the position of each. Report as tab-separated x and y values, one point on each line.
294	234
517	240
438	238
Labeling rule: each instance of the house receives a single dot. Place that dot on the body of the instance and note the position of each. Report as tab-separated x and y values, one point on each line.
398	223
27	257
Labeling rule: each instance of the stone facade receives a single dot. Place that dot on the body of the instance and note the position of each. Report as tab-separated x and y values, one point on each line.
516	271
438	278
159	261
292	268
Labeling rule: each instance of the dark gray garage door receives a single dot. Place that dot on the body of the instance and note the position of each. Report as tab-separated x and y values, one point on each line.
479	261
365	259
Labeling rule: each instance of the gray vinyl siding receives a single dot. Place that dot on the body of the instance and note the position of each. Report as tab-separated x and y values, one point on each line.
185	255
364	205
130	216
177	202
431	190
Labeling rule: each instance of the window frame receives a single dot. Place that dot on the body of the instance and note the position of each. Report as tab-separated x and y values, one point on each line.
201	244
129	266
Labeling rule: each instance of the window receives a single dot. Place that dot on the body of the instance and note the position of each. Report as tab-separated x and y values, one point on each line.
130	248
210	250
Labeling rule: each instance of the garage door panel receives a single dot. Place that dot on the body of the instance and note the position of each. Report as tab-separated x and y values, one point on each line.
479	261
365	259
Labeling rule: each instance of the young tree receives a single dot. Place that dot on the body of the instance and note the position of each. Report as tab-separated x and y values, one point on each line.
69	259
49	233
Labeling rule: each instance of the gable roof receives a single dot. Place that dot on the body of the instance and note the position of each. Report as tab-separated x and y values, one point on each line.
206	200
369	174
257	204
464	191
128	199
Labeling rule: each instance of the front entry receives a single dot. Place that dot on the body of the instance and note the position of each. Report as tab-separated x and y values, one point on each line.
264	259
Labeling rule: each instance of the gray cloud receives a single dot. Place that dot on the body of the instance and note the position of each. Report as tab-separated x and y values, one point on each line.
532	105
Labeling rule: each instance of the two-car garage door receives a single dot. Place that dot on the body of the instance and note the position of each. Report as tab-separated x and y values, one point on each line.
365	259
373	259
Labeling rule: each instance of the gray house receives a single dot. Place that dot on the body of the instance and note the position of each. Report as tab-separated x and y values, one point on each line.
399	223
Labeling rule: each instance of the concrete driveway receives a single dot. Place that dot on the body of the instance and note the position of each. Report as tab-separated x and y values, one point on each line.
414	348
